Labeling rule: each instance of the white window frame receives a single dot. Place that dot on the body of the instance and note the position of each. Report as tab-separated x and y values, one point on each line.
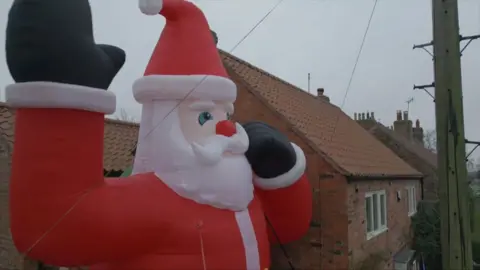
380	228
411	200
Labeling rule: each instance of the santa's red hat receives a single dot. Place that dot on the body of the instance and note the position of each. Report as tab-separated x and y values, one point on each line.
185	61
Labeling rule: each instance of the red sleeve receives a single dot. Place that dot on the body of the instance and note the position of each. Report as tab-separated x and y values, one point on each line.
63	212
288	209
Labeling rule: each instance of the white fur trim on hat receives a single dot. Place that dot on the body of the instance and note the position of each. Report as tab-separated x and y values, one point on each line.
179	87
150	7
288	178
60	96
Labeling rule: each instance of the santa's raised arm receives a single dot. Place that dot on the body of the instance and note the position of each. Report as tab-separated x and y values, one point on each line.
202	184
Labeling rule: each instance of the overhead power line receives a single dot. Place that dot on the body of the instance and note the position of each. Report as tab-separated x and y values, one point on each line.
347	90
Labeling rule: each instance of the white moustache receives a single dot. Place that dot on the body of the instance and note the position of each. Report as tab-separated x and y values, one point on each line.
211	152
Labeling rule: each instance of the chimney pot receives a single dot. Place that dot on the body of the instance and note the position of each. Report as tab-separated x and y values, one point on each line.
368	115
405	115
372	115
417	123
320	94
215	37
399	115
355	116
363	116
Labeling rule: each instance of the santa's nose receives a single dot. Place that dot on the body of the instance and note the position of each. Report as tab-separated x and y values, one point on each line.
226	128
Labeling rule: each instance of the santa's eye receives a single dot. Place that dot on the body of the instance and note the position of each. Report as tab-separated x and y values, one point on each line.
229	115
203	117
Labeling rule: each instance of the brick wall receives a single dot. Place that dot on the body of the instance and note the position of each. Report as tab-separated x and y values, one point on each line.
9	257
319	249
387	243
334	222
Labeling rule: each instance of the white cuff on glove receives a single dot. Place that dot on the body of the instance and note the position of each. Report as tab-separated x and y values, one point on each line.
59	96
288	178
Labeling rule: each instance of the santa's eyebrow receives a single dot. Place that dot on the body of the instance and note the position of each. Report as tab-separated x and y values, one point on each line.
229	107
202	105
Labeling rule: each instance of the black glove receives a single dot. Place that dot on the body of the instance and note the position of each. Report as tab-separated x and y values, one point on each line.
270	152
52	40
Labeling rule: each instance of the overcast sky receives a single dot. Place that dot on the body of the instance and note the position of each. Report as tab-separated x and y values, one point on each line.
321	37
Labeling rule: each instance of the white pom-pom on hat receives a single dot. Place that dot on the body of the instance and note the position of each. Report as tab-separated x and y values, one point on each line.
150	7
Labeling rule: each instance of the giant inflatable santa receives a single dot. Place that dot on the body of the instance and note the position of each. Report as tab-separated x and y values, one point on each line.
206	193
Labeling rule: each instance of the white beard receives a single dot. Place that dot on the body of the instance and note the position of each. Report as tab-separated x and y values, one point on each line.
226	185
207	174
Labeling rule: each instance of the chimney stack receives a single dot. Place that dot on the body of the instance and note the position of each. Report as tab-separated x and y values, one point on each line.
368	116
321	95
403	127
418	133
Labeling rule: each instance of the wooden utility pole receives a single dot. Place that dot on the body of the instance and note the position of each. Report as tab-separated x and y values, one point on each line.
454	214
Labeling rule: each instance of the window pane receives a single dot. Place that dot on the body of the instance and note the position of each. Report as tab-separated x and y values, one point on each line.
409	200
368	209
406	199
412	200
414	196
382	209
375	212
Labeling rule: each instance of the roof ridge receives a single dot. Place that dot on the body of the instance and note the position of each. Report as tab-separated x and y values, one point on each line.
121	122
410	145
268	74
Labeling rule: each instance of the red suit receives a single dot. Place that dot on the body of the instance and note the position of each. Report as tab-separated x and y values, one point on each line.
63	212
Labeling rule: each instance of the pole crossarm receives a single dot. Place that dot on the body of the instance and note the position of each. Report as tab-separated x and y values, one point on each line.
419	46
470	39
477	144
471	142
424	88
423	47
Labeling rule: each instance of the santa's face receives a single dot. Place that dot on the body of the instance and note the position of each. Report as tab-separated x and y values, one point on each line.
206	126
206	153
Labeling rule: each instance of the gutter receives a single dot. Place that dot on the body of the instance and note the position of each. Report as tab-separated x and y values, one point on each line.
390	177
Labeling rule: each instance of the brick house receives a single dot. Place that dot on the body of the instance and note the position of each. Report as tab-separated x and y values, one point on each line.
362	191
407	141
